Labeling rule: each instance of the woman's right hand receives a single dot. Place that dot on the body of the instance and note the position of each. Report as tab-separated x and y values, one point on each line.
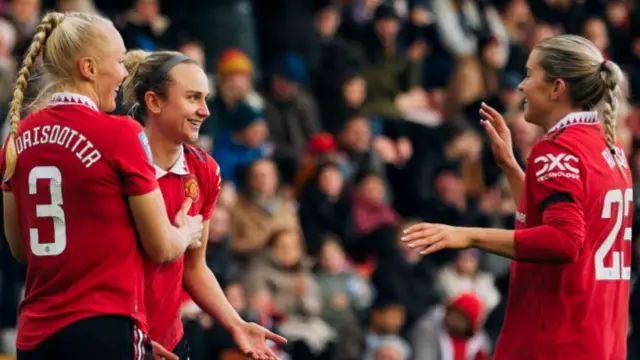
190	226
499	135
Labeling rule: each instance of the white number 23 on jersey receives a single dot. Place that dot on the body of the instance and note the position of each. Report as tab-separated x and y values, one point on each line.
617	270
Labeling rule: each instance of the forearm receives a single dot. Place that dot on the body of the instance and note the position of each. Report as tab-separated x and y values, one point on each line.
204	289
515	177
496	241
542	243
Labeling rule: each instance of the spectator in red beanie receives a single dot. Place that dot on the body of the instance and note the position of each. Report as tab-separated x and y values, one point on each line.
452	332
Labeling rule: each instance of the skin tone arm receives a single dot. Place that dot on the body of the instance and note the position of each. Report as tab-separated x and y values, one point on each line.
502	148
202	285
12	228
161	240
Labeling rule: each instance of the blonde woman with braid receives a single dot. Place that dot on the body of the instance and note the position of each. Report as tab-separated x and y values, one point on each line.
77	184
569	288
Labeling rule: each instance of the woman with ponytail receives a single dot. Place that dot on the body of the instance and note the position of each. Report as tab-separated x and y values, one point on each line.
167	91
569	289
77	185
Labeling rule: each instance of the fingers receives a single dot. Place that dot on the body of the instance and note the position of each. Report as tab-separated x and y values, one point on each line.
416	227
160	352
424	237
491	131
411	238
433	248
280	340
186	205
490	113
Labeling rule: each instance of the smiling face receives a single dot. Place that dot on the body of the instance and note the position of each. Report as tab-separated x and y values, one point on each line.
535	90
184	108
109	69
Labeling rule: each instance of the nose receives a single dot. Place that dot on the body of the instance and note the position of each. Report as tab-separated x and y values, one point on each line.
203	111
123	71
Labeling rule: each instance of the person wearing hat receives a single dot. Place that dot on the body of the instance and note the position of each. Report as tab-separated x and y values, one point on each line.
452	331
245	141
234	85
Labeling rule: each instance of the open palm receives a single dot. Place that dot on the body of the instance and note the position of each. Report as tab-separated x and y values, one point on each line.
251	339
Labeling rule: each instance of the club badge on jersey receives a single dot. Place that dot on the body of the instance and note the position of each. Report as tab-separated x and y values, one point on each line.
191	189
145	144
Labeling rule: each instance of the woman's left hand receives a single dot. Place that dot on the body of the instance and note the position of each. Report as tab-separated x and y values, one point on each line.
429	238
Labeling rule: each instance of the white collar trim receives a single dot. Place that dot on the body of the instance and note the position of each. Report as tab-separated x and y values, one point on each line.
179	168
65	98
576	118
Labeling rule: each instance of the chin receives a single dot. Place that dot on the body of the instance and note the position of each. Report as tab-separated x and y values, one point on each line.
191	138
108	106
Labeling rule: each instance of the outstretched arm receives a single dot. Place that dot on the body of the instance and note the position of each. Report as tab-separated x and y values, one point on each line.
203	287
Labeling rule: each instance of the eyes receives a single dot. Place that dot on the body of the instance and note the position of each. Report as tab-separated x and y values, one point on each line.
196	97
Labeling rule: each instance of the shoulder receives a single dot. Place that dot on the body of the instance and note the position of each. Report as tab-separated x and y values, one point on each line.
125	122
201	161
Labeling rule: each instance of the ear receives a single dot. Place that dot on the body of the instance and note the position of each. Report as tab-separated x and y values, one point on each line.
558	89
88	68
152	100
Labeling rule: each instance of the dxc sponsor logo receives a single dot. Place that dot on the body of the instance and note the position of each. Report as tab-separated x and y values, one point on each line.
559	163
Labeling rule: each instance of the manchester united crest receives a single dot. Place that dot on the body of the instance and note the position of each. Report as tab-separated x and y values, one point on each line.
191	189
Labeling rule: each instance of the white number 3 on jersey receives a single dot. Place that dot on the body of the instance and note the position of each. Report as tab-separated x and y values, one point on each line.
52	210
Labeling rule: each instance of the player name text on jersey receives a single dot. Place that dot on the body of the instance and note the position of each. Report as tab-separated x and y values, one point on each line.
62	136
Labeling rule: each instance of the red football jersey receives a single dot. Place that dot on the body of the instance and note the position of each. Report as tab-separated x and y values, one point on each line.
197	176
576	310
75	168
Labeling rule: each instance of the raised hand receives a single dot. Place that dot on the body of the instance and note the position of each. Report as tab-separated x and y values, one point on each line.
499	135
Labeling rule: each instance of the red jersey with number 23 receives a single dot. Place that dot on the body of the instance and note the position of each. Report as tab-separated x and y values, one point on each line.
576	310
197	176
76	166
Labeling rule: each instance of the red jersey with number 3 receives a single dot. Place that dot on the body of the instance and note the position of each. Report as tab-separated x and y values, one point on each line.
76	166
197	176
576	310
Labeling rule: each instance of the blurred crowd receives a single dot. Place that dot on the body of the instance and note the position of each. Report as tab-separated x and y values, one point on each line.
336	124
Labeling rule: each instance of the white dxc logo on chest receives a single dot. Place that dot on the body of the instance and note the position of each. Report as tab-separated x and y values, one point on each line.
560	161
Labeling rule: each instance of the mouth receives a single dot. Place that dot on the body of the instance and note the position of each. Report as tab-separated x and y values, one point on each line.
195	123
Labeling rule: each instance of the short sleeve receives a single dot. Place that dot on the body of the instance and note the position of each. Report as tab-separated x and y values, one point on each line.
213	188
555	174
132	156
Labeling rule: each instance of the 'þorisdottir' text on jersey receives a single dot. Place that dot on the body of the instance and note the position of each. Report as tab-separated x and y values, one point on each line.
60	135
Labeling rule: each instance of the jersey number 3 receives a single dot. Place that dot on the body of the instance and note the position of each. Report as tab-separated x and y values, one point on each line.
51	210
617	270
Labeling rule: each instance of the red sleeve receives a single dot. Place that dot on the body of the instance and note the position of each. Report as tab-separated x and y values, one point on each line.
132	156
213	188
555	185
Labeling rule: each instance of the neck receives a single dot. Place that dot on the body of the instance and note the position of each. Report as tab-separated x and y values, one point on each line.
82	89
556	115
165	152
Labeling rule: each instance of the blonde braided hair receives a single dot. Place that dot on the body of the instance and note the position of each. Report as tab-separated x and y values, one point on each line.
49	23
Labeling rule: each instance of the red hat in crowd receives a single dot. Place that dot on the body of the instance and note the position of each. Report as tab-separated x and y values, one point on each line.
233	61
470	305
321	143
